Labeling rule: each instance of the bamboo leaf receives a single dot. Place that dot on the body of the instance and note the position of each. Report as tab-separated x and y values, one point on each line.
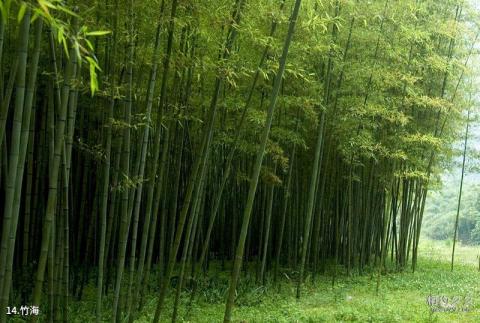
65	47
98	33
3	13
44	5
67	11
93	66
21	11
5	9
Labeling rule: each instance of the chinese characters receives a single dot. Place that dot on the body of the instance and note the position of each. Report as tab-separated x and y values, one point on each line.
441	303
23	310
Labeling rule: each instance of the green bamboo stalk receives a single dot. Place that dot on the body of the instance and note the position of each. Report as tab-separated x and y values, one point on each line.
6	99
268	220
143	157
69	75
191	226
14	155
311	200
125	214
231	155
24	138
257	166
198	168
460	191
2	37
286	199
106	179
103	211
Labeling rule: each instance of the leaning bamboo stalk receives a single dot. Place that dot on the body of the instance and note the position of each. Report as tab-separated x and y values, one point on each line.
20	167
316	163
257	166
231	155
125	217
286	199
191	226
5	102
69	76
199	166
311	200
455	229
103	250
267	226
143	157
2	37
14	154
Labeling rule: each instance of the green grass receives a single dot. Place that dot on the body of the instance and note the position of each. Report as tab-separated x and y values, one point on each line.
402	296
441	251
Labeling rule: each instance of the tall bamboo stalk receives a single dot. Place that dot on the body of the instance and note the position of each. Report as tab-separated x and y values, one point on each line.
257	166
455	229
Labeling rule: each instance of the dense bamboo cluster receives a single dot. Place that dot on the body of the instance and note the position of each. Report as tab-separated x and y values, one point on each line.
152	139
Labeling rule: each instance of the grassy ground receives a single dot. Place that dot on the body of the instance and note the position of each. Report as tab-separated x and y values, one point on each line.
402	297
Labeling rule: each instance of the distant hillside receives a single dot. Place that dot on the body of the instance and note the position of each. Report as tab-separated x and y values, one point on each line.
441	204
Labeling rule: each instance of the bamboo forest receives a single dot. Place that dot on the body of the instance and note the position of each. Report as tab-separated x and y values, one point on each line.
239	161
